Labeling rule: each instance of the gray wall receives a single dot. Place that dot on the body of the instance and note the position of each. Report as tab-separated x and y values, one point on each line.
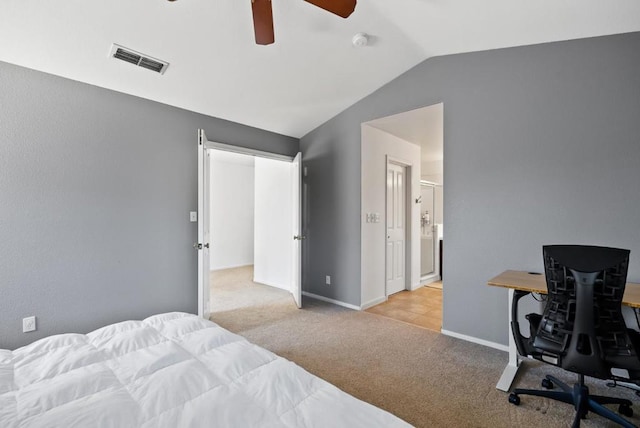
95	193
331	156
541	145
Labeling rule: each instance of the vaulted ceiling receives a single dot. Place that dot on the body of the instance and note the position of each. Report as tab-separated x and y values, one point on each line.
309	75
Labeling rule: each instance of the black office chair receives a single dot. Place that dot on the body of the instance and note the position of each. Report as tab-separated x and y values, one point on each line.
582	329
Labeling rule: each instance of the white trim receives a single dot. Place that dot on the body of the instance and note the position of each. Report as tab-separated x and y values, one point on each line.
414	287
335	302
430	183
204	309
398	161
428	279
472	339
247	151
295	286
373	302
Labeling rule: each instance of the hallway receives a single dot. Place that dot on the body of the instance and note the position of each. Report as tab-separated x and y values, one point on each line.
422	307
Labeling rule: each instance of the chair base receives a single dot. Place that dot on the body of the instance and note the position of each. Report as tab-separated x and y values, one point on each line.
579	397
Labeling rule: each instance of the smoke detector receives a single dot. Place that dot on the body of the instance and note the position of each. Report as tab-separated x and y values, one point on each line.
360	40
137	58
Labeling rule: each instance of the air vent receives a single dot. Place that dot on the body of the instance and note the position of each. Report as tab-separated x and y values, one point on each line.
139	59
151	64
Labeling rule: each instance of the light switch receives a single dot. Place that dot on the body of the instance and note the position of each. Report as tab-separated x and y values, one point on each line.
193	216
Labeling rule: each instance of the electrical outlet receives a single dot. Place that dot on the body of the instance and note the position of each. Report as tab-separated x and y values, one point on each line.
193	216
28	324
327	280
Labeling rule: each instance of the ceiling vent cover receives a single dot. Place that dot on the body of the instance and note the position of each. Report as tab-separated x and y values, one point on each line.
137	58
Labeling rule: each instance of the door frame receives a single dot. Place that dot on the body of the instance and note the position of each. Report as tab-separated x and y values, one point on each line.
435	275
408	254
246	151
202	216
298	236
212	145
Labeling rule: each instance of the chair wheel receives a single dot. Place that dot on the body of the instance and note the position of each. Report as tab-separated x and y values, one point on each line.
514	399
625	410
546	383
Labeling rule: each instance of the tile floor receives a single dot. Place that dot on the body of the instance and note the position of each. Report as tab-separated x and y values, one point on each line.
422	307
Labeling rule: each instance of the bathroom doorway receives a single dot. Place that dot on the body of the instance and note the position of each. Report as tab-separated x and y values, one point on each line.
423	130
431	233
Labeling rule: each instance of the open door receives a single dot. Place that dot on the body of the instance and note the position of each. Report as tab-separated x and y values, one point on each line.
202	246
296	282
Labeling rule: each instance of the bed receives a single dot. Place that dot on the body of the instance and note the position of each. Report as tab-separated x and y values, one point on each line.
169	370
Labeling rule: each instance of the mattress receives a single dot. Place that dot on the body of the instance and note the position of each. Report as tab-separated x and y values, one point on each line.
169	370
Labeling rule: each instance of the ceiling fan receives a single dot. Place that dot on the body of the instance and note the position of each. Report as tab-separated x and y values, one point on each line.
263	16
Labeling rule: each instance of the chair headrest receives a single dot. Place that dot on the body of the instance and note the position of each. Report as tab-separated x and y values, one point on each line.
586	258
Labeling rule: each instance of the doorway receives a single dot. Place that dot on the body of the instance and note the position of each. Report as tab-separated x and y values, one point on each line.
251	243
419	136
431	229
248	222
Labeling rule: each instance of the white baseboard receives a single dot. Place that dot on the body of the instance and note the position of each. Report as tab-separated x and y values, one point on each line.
335	302
414	287
472	339
373	302
429	279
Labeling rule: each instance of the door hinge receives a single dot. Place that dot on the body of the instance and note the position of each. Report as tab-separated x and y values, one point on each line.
299	237
199	246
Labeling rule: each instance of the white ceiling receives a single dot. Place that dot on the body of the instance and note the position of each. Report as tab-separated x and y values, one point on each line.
309	75
423	127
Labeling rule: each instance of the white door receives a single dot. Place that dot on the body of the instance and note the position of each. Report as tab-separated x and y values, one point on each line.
296	180
396	228
427	243
202	246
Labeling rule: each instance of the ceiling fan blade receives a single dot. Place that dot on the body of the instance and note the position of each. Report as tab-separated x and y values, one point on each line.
342	8
263	21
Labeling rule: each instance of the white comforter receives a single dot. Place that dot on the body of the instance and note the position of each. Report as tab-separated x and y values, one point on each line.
170	370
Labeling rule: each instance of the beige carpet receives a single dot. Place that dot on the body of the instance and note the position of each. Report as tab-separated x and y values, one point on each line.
425	378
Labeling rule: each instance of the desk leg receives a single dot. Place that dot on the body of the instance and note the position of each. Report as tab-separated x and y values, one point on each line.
509	373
